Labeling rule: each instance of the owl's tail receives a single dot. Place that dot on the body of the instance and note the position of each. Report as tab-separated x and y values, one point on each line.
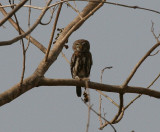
78	91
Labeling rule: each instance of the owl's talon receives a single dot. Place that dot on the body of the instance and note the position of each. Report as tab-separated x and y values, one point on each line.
77	78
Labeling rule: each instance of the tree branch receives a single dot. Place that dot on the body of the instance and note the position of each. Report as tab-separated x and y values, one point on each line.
141	94
34	81
120	111
3	43
139	63
99	86
68	30
13	11
32	40
99	115
53	31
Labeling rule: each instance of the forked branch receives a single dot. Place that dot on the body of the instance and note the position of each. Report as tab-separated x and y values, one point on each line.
139	63
32	40
13	11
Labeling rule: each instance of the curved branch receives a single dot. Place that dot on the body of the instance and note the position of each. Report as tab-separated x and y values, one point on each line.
52	12
3	43
13	11
120	113
141	94
111	3
139	63
30	38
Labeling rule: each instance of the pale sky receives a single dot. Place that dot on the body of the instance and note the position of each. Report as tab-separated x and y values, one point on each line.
119	37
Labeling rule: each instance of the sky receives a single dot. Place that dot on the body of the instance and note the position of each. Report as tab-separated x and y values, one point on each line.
118	37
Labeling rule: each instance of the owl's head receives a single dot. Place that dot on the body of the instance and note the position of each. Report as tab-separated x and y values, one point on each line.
81	45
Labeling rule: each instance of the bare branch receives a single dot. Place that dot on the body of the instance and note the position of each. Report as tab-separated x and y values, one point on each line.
138	64
64	1
152	30
4	43
100	104
99	115
74	9
29	23
141	94
100	98
155	53
12	12
53	31
73	26
24	61
23	48
89	111
99	86
134	7
63	55
29	6
106	96
108	67
32	40
101	93
35	81
112	3
120	111
52	12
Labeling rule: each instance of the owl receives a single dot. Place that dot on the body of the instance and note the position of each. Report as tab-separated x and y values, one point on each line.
81	61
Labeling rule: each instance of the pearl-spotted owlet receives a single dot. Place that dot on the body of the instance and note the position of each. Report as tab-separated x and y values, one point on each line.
81	61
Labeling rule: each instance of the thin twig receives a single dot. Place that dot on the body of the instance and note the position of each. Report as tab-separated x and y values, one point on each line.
111	3
106	96
12	12
108	67
100	98
74	9
141	94
89	111
29	23
63	55
139	64
23	48
32	40
101	93
99	115
152	30
28	6
52	12
100	104
155	53
133	7
9	42
24	61
120	112
53	31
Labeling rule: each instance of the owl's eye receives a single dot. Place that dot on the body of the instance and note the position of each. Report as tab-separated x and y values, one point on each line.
83	43
78	47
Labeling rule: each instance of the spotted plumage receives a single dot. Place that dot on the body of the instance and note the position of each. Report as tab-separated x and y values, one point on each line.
81	61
